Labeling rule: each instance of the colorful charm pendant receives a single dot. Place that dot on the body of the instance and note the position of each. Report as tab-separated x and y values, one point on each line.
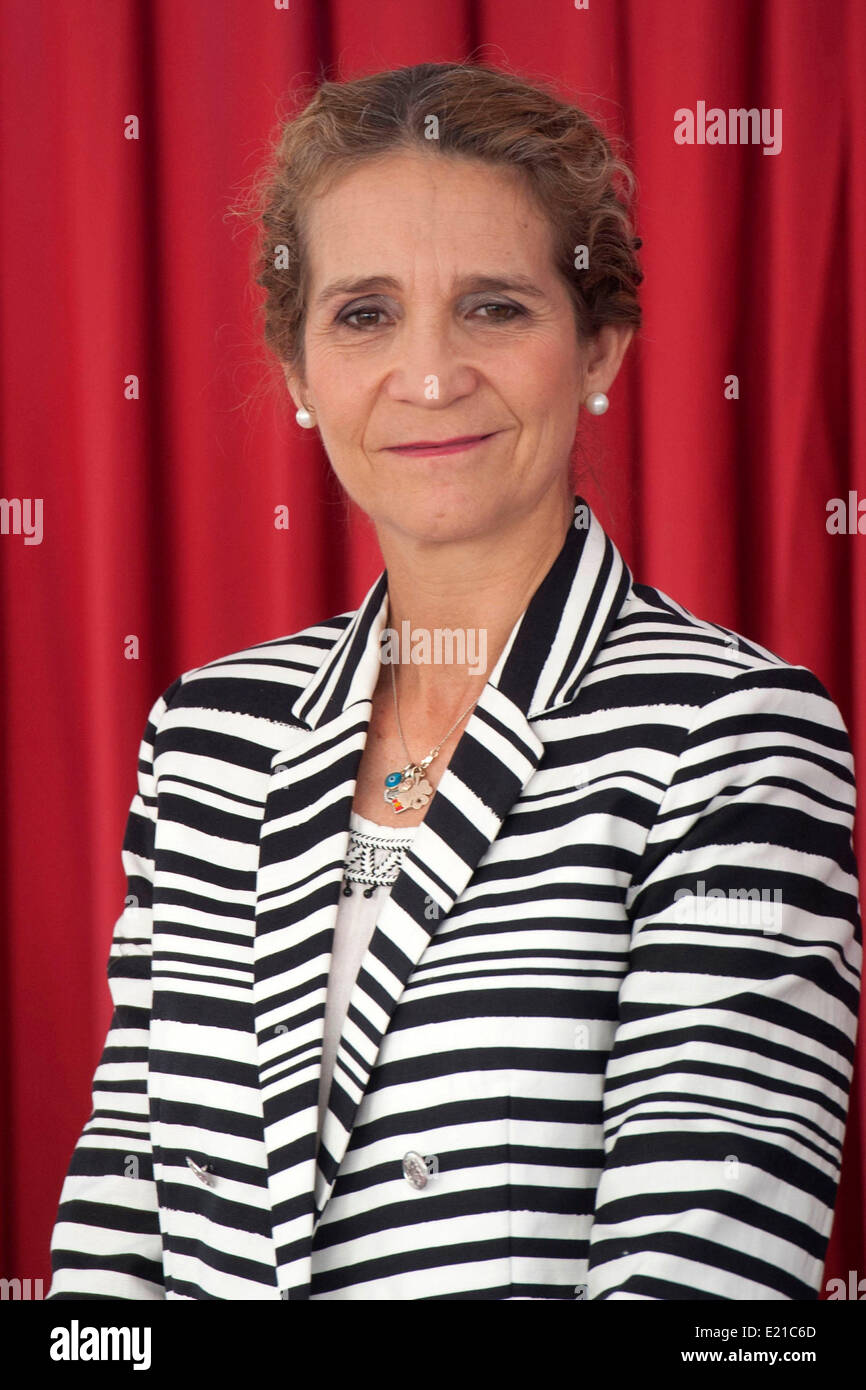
407	790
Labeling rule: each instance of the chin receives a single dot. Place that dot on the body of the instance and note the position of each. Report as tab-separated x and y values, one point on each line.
441	518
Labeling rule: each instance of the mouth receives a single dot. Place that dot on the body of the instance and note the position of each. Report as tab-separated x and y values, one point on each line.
424	448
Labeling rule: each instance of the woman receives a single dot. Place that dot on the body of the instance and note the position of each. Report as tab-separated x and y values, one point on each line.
528	974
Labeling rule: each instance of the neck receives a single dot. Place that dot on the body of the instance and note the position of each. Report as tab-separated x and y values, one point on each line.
475	590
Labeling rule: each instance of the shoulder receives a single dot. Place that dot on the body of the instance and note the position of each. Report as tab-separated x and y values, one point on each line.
260	681
712	672
653	621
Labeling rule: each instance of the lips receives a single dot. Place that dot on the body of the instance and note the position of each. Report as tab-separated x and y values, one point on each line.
430	446
430	443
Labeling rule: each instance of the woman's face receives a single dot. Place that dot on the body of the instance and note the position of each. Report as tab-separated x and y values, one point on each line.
435	313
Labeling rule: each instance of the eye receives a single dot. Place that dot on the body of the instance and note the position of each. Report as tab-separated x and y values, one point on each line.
511	310
347	315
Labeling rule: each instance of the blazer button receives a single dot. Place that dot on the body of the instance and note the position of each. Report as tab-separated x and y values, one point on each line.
414	1169
202	1173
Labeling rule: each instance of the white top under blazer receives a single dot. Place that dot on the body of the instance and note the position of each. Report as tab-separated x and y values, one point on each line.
379	846
600	1040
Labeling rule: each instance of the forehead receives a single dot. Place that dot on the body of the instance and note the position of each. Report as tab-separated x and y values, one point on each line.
409	205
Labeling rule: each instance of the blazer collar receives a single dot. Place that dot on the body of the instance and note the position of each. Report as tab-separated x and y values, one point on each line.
549	648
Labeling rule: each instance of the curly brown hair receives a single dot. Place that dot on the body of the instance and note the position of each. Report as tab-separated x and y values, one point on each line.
584	189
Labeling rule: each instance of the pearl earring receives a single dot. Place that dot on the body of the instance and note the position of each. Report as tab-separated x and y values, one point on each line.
597	403
304	418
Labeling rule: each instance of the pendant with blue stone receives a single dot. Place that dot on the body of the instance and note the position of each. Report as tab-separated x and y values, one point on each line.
407	790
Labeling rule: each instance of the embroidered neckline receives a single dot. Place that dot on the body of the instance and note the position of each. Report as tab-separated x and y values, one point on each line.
374	860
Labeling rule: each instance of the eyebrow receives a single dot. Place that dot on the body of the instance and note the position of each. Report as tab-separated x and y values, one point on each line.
370	284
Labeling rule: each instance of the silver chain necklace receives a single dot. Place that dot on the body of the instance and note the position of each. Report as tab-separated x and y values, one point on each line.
409	789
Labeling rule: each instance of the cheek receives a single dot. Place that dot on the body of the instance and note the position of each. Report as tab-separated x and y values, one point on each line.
546	365
543	388
342	397
561	367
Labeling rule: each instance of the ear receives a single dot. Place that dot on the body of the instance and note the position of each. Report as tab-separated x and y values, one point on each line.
297	387
604	356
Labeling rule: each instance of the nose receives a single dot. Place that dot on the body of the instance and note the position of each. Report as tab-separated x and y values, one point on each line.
429	365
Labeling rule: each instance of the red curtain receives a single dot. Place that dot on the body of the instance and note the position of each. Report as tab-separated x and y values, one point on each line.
158	549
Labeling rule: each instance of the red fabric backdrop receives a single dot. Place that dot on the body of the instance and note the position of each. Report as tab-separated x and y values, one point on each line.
118	258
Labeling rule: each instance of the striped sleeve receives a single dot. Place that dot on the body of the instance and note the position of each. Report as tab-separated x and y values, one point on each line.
106	1241
726	1090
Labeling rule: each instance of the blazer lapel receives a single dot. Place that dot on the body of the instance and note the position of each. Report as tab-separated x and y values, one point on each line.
304	840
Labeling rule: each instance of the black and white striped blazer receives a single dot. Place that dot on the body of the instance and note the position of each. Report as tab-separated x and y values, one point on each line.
610	1002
